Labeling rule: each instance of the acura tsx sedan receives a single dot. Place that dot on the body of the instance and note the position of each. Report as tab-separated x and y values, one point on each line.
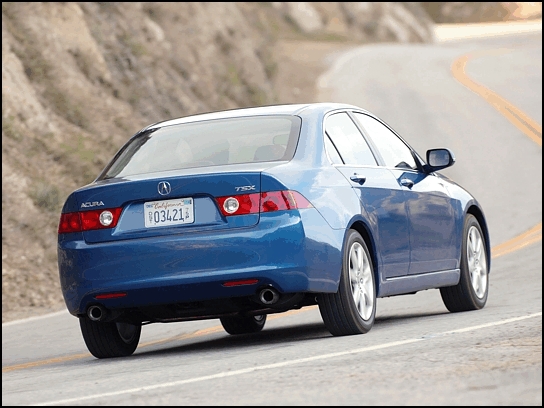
238	214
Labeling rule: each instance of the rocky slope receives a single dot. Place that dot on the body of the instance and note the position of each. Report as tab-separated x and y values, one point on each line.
78	79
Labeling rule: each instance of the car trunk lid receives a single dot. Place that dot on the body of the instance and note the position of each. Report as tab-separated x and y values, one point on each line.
180	203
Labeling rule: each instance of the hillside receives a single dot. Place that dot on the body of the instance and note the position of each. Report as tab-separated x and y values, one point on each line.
78	79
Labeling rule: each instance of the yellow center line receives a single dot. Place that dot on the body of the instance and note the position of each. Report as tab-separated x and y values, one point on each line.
519	119
44	362
519	246
528	126
518	242
523	122
185	336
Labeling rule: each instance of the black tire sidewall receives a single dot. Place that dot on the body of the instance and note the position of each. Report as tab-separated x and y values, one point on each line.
103	339
345	284
466	283
242	324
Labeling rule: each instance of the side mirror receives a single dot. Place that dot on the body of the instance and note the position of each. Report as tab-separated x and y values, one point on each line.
438	159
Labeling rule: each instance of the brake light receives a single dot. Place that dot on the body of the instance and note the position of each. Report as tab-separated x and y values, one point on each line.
89	220
262	202
283	200
69	222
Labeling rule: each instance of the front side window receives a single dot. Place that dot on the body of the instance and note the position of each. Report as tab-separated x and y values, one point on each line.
393	150
207	143
349	141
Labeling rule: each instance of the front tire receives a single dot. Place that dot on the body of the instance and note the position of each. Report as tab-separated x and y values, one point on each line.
109	339
243	324
472	290
352	309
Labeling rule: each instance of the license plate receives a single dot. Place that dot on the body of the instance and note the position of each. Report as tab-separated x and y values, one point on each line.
169	212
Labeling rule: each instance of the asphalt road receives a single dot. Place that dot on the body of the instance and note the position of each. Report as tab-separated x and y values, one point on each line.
417	353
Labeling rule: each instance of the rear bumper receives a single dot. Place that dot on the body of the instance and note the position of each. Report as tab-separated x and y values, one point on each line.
294	251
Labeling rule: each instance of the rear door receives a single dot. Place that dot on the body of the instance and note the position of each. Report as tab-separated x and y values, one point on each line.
382	199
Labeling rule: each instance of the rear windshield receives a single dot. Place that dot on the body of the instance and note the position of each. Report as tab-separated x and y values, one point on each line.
207	143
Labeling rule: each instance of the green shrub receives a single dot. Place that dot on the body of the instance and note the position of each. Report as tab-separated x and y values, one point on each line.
45	196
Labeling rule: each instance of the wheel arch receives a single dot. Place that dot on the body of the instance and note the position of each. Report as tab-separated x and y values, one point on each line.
479	215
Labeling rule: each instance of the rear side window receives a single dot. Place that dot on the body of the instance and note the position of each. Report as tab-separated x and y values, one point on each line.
208	143
334	156
348	141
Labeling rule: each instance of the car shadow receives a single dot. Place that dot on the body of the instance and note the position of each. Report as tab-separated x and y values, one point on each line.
267	337
282	336
385	320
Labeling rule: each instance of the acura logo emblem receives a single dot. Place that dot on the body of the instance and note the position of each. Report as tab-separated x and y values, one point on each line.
164	188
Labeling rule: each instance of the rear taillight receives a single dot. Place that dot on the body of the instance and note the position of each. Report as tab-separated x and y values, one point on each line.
262	202
239	204
283	200
99	219
69	222
89	220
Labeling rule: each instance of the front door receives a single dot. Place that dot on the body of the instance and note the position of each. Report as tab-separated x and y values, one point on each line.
429	207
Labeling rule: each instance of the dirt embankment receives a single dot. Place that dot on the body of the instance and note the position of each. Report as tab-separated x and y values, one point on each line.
79	78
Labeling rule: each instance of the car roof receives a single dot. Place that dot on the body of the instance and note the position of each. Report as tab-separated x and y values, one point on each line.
285	109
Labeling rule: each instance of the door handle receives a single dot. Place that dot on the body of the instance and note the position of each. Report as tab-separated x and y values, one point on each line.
357	178
407	182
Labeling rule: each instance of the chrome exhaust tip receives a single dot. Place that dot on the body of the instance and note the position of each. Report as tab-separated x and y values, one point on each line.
96	313
268	296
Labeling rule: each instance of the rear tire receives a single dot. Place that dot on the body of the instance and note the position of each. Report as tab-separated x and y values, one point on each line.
109	339
473	288
352	309
243	324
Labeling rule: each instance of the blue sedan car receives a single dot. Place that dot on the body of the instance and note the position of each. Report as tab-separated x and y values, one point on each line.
242	213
